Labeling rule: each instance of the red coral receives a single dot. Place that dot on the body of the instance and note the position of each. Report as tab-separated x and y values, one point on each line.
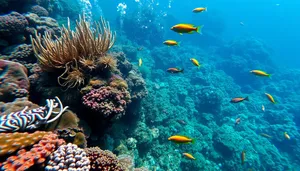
37	155
108	101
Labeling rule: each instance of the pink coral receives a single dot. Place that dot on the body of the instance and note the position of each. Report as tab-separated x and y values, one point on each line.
108	101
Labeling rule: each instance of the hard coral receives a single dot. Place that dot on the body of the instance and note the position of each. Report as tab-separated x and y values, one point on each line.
12	24
108	101
13	81
68	157
11	142
103	160
37	154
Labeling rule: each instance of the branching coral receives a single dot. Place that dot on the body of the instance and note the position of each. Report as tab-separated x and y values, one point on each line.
108	101
82	47
103	160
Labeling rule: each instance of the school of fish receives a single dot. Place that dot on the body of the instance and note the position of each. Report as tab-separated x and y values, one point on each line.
184	28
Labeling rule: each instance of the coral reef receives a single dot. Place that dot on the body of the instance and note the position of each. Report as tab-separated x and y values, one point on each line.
108	101
11	142
102	159
35	156
72	135
68	157
14	81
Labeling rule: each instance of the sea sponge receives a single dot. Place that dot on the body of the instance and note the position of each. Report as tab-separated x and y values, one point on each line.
67	120
11	142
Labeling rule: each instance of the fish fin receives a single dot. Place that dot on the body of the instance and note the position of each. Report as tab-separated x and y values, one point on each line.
193	141
270	76
191	32
178	44
199	66
246	98
206	9
199	28
182	70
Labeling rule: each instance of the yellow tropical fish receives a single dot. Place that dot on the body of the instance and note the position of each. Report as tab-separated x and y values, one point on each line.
171	43
140	62
286	136
188	155
186	28
260	73
195	62
270	97
181	139
199	9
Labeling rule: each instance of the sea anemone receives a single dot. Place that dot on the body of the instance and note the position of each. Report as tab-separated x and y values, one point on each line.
108	63
72	77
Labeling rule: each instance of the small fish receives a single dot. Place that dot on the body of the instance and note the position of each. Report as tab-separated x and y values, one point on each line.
286	136
237	121
195	62
171	43
270	97
243	157
188	155
175	70
242	24
263	108
182	122
181	139
260	73
238	99
140	48
265	135
186	28
140	62
199	9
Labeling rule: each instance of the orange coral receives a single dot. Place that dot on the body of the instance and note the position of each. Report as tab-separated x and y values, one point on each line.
108	63
37	154
11	142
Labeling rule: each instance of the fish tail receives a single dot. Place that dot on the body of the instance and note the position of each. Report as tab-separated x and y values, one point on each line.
199	28
178	44
182	70
193	141
206	9
270	76
246	98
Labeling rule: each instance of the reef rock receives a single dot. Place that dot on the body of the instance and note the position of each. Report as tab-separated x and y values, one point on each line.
14	81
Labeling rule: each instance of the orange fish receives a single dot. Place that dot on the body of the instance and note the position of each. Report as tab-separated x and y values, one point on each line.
238	99
243	157
260	73
186	28
286	136
181	139
237	121
270	97
171	43
174	70
199	9
188	155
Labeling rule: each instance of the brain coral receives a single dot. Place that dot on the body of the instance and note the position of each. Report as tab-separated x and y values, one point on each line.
68	157
109	101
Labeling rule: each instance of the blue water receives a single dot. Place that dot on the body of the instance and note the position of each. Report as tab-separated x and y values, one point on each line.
199	102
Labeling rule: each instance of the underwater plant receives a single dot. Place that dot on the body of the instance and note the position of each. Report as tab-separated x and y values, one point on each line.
75	51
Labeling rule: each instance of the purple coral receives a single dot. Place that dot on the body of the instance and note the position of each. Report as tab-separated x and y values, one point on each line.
12	23
108	101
